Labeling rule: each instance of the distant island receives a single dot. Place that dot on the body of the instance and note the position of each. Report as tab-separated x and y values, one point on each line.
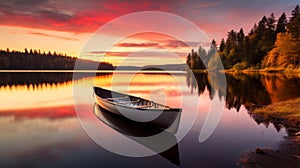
270	46
164	67
37	60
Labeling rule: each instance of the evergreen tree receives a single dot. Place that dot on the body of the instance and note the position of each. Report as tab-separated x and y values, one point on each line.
281	24
214	43
203	59
267	44
188	60
271	23
222	45
294	24
16	60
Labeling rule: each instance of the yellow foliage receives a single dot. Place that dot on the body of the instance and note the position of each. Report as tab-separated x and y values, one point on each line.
286	52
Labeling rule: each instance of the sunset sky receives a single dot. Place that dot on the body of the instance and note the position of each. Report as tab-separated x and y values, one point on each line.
66	25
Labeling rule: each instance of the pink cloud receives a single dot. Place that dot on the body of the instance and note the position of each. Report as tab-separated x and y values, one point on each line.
148	44
53	36
84	17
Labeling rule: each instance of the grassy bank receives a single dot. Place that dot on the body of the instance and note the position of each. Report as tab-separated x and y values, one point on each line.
266	70
288	111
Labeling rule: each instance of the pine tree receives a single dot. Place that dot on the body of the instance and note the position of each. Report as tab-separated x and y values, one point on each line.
188	60
222	45
281	24
214	43
294	24
271	23
203	58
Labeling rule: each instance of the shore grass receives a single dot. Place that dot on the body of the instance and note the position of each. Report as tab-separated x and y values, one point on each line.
266	70
288	110
288	152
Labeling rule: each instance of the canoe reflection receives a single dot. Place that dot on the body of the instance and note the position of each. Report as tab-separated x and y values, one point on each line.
136	130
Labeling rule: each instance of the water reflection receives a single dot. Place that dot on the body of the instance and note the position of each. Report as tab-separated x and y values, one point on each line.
54	113
136	131
39	126
248	90
34	80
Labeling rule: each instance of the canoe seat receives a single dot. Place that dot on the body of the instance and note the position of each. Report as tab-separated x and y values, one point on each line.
129	101
117	98
144	106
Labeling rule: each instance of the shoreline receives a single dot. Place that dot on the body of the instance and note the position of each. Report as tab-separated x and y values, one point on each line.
230	71
265	70
286	155
286	114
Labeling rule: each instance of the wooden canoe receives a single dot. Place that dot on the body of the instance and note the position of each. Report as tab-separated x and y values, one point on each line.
138	109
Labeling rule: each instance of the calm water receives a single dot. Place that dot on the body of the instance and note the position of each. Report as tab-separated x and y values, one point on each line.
39	126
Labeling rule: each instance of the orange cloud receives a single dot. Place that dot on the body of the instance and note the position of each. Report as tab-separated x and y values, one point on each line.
216	18
53	36
148	44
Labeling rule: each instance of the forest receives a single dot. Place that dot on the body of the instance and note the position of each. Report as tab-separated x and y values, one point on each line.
271	44
37	60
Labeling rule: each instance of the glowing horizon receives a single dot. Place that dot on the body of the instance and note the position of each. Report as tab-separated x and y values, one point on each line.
65	27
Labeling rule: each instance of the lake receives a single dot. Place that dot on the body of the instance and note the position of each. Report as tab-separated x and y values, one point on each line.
42	125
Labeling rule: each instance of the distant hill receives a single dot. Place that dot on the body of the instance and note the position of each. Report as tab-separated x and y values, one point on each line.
35	60
127	68
169	67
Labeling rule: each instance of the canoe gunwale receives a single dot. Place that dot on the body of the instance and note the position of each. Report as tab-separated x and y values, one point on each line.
166	109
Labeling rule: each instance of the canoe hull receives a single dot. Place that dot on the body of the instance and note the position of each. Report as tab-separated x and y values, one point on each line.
165	119
140	132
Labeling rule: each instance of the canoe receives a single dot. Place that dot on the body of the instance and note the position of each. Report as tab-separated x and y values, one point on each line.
139	132
138	109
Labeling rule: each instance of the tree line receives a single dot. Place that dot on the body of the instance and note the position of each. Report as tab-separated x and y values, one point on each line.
270	44
37	60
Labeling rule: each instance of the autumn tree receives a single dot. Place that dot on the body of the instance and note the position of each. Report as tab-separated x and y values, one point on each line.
285	54
269	43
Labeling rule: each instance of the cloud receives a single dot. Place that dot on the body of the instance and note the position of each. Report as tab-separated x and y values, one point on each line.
209	4
54	15
78	17
174	44
109	53
148	44
53	36
163	44
139	54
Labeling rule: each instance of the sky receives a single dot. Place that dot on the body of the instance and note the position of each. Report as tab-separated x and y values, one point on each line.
65	26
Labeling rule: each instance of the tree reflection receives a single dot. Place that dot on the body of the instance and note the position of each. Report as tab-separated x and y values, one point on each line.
246	90
251	91
37	79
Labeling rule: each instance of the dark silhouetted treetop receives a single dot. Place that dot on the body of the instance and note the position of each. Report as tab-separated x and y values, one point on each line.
281	24
269	43
294	24
35	60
